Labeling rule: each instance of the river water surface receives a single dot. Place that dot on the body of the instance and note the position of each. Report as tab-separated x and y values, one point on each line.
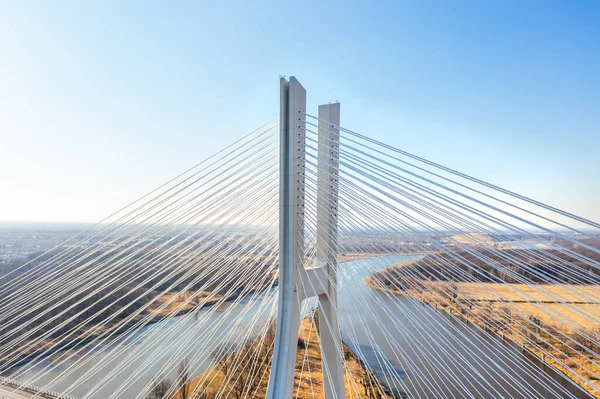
419	351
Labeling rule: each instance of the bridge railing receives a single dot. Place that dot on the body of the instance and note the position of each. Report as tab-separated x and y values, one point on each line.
32	388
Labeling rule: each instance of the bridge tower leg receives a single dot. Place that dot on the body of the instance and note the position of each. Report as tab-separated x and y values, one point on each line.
293	277
291	240
327	193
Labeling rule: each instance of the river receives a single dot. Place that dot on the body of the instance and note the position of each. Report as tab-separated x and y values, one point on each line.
420	351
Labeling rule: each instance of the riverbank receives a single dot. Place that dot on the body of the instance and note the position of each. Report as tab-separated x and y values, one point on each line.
175	304
236	372
498	308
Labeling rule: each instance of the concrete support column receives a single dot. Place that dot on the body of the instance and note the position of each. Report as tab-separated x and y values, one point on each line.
291	237
327	235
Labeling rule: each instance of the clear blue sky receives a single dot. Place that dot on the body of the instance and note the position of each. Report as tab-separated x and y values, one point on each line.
100	102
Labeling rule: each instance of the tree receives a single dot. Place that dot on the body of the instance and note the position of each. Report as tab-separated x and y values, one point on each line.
243	369
160	389
369	382
183	379
224	361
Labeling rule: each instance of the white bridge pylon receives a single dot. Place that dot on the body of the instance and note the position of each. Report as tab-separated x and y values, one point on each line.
292	274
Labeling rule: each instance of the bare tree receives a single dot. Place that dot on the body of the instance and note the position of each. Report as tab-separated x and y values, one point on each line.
244	369
183	379
160	389
369	382
223	360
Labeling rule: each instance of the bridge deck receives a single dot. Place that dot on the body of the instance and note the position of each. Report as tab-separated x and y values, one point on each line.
7	393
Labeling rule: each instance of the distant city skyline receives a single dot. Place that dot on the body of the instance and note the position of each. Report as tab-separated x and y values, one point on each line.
100	103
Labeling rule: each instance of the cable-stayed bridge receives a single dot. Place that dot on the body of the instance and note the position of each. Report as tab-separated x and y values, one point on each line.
308	260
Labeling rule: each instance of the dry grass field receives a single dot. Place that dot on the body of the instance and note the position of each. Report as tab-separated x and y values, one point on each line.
561	304
547	319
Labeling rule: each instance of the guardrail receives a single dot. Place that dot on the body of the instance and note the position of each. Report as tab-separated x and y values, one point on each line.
33	389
